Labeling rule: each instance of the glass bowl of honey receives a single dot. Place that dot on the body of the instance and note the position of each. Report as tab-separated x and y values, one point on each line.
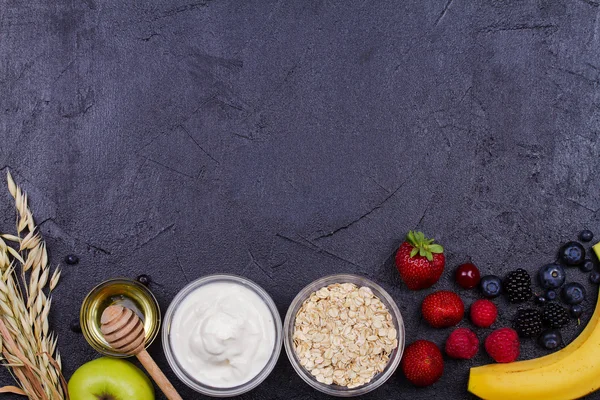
124	292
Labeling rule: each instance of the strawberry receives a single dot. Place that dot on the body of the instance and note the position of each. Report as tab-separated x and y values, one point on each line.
483	313
420	261
462	344
503	345
422	363
442	309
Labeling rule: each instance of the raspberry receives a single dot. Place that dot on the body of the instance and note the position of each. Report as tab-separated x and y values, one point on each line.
503	345
483	313
462	344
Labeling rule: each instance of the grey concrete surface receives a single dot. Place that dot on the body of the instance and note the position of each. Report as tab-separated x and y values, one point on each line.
285	141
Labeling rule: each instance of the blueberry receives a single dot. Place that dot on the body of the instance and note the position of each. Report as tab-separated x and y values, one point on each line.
144	279
587	265
541	300
573	293
586	235
551	276
595	277
551	339
490	286
75	326
550	295
572	253
71	259
576	311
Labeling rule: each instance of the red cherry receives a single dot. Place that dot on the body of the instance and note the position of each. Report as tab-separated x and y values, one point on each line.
467	275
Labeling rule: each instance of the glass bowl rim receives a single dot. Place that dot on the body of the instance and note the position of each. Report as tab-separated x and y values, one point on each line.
104	349
288	326
181	373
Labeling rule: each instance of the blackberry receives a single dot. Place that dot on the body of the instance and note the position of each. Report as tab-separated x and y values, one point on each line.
528	323
518	286
555	315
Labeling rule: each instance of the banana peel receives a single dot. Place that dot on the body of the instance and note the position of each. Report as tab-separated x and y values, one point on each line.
570	373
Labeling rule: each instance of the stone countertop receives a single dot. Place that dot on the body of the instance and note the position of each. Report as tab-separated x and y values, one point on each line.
285	141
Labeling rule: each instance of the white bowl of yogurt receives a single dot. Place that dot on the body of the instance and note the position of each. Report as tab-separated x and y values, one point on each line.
222	335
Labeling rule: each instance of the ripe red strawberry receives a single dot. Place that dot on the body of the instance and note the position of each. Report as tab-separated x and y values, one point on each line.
483	313
420	261
443	309
422	363
462	344
503	345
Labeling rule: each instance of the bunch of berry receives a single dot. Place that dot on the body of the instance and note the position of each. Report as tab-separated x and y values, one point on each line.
517	285
421	262
502	344
552	278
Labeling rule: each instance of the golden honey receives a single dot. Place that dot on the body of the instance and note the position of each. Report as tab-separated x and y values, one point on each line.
124	292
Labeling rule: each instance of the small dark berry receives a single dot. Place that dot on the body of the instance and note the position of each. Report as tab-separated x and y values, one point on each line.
144	279
572	253
75	326
576	311
587	265
573	293
551	276
551	295
540	300
595	277
71	259
491	286
586	235
551	339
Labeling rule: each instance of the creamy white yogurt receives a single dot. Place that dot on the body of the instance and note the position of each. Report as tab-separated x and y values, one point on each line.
222	334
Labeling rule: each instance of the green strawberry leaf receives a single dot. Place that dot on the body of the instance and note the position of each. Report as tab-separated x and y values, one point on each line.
411	238
435	248
422	245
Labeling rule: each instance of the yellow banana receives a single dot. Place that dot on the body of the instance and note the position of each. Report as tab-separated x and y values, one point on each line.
567	374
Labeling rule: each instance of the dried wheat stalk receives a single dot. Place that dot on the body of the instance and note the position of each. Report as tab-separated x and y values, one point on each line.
27	345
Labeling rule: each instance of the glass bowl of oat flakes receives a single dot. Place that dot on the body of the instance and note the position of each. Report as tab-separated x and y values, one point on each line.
344	335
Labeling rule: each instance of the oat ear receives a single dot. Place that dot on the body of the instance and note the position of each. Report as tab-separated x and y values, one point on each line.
27	343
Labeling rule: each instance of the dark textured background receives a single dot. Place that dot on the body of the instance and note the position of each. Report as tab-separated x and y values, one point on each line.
285	141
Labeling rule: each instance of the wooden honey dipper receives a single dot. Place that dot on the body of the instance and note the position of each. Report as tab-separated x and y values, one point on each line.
124	331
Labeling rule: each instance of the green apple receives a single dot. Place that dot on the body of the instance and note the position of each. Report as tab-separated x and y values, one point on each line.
110	379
